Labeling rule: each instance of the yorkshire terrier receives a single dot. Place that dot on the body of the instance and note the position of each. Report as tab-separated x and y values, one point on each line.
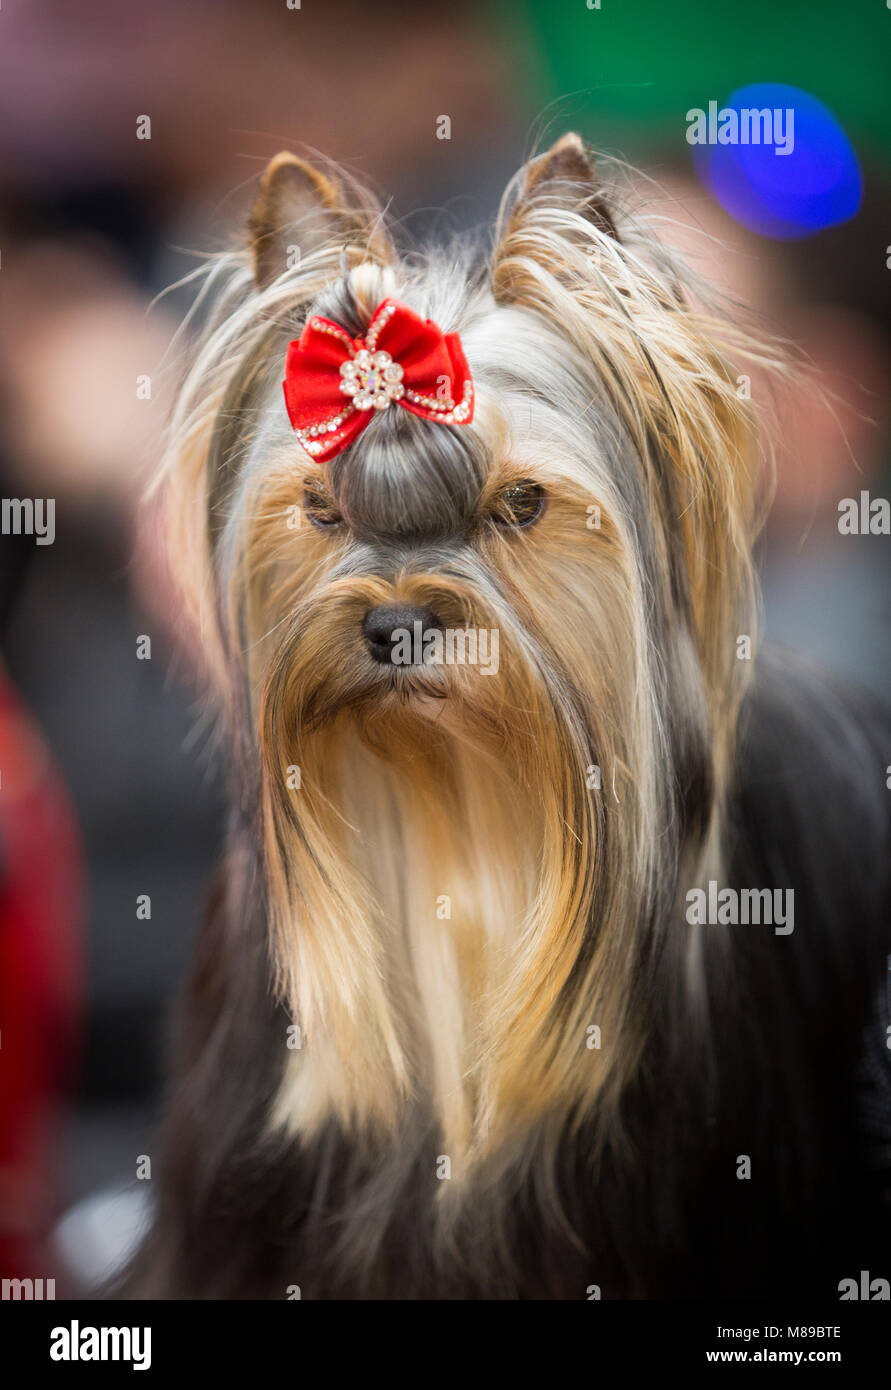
551	976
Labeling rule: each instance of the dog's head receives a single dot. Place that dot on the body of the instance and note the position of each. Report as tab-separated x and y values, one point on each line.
491	664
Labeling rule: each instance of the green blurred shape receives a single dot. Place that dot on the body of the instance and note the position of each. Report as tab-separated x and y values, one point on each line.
627	73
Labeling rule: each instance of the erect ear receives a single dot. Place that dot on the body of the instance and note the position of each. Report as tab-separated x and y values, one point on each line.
299	209
565	176
663	365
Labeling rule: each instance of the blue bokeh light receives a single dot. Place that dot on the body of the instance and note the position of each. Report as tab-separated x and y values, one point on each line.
816	184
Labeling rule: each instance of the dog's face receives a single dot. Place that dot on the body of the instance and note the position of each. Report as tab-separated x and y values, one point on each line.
510	532
585	540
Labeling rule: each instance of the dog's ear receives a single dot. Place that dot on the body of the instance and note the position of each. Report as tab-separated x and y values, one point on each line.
564	177
298	209
665	366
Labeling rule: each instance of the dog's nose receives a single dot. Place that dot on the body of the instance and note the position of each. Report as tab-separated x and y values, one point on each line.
381	623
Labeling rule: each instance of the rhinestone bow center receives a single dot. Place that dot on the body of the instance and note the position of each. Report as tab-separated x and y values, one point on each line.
372	379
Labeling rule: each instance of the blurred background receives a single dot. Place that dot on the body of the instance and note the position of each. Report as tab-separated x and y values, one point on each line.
108	788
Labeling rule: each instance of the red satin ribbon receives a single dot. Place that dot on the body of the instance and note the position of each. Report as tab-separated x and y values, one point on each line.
334	384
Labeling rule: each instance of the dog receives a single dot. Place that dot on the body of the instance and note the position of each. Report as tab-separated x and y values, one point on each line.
554	980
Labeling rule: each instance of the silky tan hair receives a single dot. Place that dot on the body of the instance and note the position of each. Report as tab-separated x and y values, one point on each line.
453	901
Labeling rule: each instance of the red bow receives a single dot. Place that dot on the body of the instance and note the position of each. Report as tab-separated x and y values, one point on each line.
334	384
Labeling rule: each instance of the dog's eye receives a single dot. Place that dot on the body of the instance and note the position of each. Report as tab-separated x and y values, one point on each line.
319	508
519	505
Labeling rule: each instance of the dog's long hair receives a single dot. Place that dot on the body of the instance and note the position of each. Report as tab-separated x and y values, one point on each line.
449	947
